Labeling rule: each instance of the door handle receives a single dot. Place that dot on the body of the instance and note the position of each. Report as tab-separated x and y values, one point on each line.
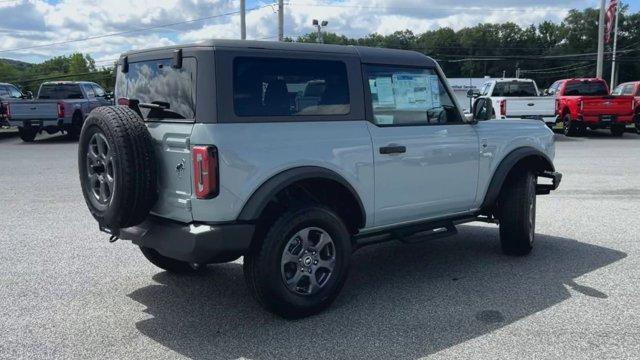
393	149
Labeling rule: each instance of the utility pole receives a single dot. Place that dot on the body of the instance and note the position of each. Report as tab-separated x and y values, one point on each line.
615	47
600	40
281	20
243	20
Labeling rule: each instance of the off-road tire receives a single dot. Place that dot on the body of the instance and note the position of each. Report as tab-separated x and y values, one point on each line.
169	264
27	134
262	266
517	212
569	127
134	166
637	122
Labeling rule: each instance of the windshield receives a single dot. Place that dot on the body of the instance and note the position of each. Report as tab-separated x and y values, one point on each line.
60	92
509	89
586	88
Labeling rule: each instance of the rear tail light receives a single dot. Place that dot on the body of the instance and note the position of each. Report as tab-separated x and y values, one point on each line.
503	107
205	171
7	110
60	110
581	105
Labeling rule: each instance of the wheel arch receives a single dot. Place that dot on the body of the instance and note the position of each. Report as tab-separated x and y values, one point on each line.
527	157
258	201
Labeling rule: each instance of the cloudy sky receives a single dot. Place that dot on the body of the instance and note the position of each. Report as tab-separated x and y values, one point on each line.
27	25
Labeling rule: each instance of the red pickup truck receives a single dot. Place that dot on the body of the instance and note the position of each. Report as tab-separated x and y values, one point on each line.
586	103
630	89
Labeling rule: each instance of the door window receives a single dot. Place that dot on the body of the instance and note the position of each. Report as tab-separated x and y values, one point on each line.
98	90
13	92
4	92
89	90
409	96
285	87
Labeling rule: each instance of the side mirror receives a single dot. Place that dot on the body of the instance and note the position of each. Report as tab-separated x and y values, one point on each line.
482	110
473	93
108	95
27	95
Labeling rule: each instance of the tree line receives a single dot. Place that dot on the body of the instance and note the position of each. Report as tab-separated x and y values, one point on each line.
545	52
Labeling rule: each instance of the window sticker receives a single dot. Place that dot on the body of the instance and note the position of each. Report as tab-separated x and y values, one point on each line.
384	89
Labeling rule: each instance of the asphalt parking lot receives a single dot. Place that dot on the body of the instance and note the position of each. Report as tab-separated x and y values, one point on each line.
67	293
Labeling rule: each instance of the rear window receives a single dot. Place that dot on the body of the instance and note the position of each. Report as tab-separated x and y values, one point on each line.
283	87
60	92
509	89
164	93
586	88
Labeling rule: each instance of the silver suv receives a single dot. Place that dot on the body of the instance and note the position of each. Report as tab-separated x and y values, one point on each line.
294	155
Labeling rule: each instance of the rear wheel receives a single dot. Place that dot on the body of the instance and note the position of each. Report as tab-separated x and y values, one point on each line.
76	126
27	134
617	130
569	127
169	264
517	213
302	263
637	123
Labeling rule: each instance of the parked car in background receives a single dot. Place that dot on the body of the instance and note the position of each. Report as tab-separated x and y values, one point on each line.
518	99
630	89
586	103
59	106
9	93
293	155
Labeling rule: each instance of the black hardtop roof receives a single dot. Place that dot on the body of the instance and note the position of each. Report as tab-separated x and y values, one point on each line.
367	54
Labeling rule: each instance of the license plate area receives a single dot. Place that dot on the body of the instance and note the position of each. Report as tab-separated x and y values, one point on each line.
607	118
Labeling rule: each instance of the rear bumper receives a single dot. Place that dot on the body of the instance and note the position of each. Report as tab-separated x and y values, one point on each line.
544	189
597	120
194	242
40	123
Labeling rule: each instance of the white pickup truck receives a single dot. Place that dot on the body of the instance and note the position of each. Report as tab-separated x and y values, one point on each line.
518	99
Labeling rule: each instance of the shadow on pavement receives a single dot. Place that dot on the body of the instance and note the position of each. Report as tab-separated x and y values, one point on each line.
401	301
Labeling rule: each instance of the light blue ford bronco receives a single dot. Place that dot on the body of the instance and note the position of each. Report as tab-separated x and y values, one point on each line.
295	155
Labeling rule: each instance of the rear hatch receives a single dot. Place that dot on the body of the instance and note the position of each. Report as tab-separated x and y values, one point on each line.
167	103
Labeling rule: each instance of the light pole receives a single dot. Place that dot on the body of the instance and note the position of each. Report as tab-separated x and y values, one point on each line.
319	25
600	41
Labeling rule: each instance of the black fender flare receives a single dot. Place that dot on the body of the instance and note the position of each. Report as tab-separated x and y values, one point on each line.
262	196
540	160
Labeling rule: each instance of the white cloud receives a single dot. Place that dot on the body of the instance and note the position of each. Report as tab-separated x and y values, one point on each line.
29	23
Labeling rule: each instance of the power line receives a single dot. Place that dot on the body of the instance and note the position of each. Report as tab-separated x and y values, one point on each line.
472	8
132	31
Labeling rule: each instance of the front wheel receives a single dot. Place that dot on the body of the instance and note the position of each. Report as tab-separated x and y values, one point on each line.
27	134
517	213
302	263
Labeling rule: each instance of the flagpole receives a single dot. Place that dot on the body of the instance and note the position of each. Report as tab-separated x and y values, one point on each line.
615	45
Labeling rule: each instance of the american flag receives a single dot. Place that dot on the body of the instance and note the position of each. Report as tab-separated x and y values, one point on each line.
611	14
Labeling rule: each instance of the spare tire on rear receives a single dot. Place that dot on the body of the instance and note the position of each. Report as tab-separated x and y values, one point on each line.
117	167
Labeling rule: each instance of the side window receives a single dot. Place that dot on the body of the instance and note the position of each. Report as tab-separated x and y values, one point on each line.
553	89
98	90
163	93
618	90
284	87
4	92
88	89
485	89
628	90
409	96
13	92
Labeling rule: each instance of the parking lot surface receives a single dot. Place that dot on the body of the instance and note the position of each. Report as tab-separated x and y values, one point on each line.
67	293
